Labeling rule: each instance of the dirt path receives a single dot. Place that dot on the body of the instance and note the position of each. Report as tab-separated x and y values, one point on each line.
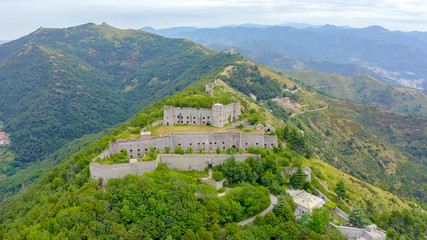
318	109
326	188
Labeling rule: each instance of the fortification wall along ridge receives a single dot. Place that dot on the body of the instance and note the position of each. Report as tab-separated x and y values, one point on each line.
218	115
208	142
182	162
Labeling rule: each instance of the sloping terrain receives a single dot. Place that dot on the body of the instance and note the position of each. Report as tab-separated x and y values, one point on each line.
67	202
377	146
60	84
365	90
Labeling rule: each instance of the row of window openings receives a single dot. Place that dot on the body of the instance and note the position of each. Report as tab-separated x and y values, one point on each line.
179	144
139	154
181	117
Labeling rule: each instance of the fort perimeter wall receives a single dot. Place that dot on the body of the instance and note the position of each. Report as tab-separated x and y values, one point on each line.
179	161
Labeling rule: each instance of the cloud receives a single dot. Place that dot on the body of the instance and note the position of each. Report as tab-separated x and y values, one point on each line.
19	17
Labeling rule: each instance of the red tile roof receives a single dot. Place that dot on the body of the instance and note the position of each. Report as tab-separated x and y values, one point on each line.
2	135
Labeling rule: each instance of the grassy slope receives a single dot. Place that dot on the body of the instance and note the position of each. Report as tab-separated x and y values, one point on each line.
365	90
359	191
22	210
354	146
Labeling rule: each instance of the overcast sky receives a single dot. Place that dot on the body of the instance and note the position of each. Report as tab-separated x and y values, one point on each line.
20	17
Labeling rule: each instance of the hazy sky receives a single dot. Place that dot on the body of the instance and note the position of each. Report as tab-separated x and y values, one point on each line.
20	17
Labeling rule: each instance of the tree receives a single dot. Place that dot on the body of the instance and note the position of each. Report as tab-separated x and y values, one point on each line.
190	150
189	235
178	150
320	218
231	229
298	179
204	234
233	171
357	217
283	209
217	175
216	231
340	189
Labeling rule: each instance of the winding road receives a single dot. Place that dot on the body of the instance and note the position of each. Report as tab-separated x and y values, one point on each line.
270	208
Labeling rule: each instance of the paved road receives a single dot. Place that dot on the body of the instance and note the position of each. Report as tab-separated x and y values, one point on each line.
270	208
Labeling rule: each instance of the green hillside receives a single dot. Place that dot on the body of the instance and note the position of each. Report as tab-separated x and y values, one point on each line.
365	90
372	152
60	84
67	203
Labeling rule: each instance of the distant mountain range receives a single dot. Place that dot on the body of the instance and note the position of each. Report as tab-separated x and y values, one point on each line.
395	55
3	41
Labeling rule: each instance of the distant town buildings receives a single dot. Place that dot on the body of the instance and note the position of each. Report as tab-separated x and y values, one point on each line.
4	138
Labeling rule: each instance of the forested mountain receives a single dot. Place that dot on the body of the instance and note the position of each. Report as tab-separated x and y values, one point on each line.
381	147
286	62
170	204
60	84
399	56
365	90
95	76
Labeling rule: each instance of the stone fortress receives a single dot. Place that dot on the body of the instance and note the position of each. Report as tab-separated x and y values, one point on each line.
217	116
207	141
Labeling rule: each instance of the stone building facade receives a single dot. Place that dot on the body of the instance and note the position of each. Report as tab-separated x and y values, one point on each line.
207	141
217	116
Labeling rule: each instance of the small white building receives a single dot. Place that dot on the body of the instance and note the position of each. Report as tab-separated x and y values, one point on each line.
305	201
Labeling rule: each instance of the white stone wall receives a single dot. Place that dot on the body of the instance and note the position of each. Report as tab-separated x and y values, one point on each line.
351	233
217	116
136	148
199	161
182	162
107	172
209	142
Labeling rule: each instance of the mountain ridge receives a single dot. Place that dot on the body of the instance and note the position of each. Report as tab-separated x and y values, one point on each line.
403	63
60	84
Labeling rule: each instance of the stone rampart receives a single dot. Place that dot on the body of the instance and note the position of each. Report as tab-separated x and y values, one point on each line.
361	233
120	170
179	161
199	161
215	184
